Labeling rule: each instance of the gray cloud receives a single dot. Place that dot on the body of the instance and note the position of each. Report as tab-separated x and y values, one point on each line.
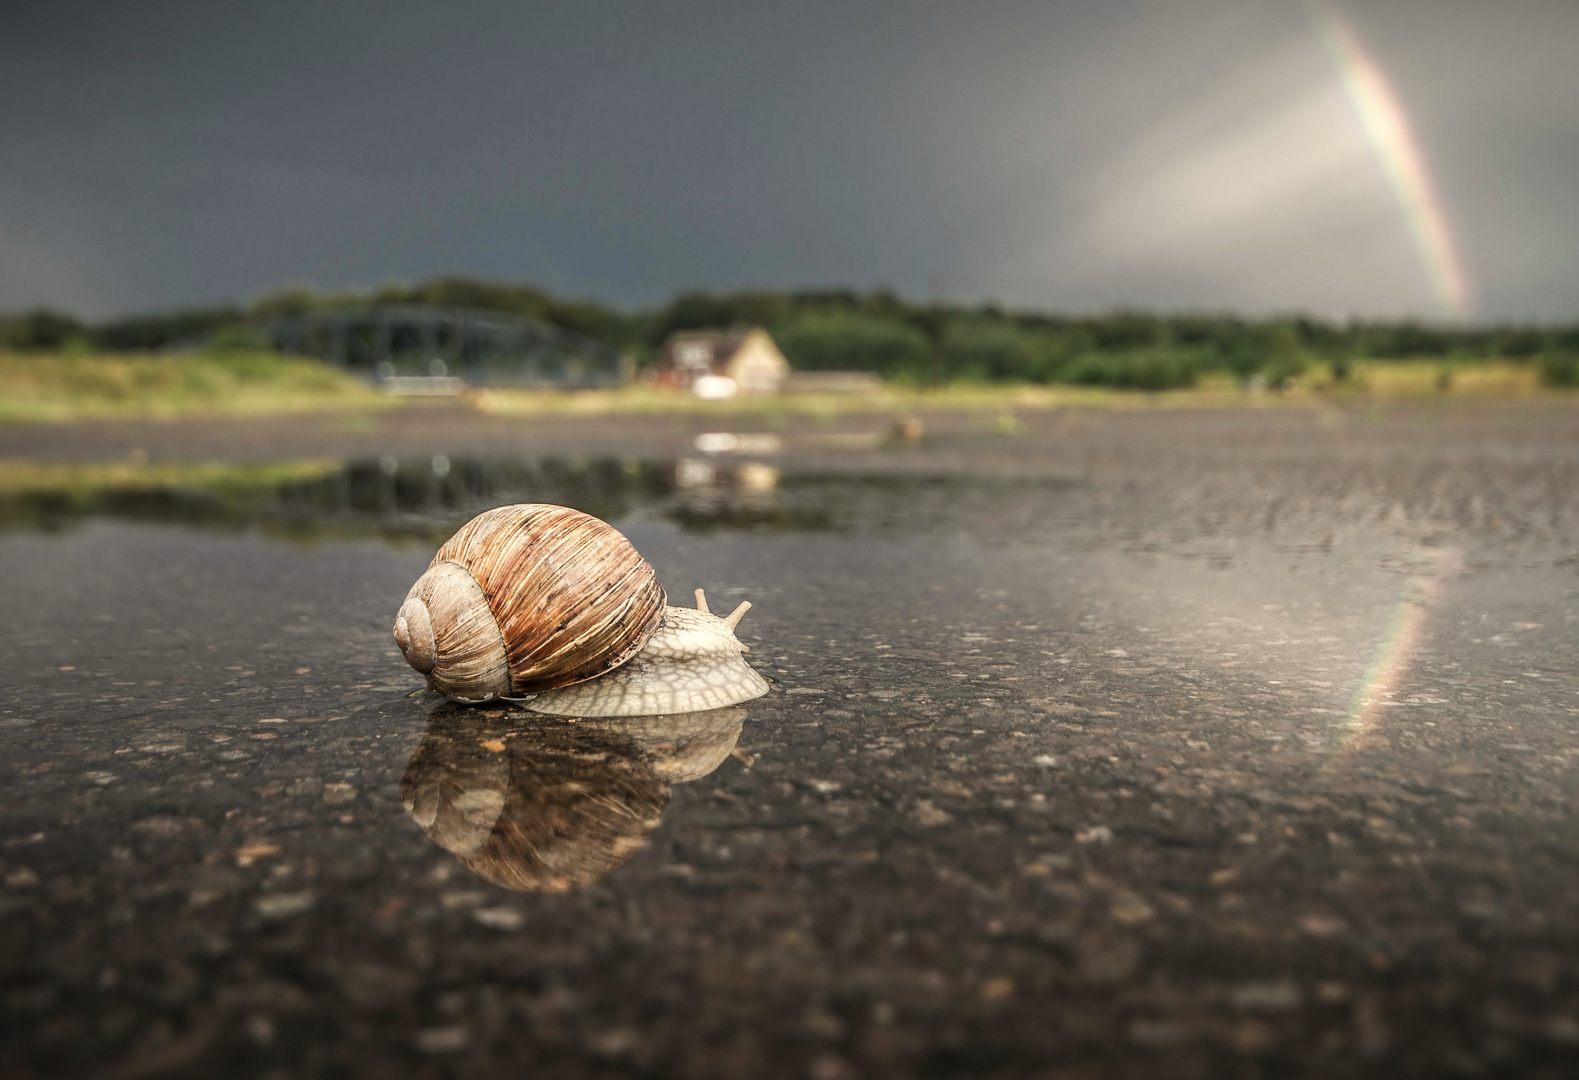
1190	153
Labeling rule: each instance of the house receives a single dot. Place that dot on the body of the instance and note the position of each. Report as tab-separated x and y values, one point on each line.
720	364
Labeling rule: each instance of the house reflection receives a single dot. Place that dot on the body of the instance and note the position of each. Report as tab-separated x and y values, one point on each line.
543	805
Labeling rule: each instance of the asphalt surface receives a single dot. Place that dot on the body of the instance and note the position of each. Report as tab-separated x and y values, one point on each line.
1137	745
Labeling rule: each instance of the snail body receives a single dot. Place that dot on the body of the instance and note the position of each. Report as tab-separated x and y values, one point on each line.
550	605
691	662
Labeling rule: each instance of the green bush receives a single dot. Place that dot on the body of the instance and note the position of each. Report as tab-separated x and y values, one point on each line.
1150	369
148	333
843	341
1560	368
39	330
238	340
983	349
1280	368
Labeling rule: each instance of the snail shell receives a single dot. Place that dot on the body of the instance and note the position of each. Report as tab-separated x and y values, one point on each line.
525	599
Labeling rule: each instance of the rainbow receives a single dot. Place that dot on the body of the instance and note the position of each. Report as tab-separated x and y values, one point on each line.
1394	654
1386	126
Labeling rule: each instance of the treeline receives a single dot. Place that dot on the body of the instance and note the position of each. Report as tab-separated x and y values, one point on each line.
942	343
878	331
43	330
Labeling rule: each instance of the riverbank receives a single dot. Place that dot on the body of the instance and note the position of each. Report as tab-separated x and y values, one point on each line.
68	387
1366	381
54	389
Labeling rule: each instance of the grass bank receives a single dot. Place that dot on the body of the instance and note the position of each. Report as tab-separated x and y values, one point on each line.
1365	381
72	480
56	387
66	387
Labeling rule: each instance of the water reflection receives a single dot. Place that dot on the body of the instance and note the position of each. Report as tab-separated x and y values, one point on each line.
543	805
427	498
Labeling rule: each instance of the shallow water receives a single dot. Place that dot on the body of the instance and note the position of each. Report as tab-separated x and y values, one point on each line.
1107	774
426	498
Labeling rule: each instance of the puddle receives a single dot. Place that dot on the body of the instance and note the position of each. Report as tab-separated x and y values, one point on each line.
427	498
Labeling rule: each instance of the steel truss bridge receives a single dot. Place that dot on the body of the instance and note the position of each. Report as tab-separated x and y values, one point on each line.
482	347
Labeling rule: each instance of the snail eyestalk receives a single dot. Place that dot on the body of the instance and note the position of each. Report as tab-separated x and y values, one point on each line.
731	620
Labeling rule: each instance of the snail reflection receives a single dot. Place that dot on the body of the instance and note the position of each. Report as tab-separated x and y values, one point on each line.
542	805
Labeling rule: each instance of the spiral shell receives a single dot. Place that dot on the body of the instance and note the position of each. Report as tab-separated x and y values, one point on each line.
528	598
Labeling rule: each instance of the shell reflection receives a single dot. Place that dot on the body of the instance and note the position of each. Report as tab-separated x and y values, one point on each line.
543	805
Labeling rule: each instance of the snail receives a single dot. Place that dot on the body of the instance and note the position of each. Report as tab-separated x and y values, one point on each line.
546	807
553	606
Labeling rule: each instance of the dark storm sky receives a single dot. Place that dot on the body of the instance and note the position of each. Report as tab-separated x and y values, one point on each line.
1179	153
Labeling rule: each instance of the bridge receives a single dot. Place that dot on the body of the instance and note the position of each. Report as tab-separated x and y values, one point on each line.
482	347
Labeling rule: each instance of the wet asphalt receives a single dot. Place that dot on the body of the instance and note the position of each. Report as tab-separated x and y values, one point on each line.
1151	744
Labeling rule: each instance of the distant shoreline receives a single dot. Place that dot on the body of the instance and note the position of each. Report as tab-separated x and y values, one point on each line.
50	389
